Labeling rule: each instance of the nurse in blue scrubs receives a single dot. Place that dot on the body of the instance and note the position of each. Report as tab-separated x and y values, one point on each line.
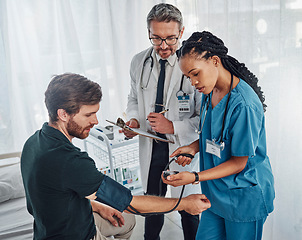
235	172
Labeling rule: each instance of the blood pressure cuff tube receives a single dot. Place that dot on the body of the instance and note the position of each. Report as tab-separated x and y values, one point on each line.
114	194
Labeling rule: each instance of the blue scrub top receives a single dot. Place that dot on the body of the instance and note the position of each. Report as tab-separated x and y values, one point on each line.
248	195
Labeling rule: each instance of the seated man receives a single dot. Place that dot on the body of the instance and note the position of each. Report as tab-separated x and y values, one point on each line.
63	187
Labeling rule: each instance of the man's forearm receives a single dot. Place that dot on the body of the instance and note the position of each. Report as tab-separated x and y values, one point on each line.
193	204
146	204
117	196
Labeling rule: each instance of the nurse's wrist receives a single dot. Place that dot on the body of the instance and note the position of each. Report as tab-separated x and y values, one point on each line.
196	178
195	147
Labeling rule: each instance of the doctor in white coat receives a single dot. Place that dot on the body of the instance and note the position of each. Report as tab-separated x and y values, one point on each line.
178	124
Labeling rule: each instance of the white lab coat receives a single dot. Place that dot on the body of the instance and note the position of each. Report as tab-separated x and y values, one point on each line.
141	103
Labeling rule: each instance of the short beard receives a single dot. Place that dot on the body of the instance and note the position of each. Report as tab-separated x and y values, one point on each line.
75	130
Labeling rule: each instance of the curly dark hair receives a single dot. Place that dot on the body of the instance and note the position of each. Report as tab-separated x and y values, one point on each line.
206	44
70	91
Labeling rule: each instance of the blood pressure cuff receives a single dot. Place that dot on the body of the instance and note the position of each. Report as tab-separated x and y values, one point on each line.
114	194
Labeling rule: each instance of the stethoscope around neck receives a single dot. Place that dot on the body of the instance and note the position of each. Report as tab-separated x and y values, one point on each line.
180	92
206	101
147	59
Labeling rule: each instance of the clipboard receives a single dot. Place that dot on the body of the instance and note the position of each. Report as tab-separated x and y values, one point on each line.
120	123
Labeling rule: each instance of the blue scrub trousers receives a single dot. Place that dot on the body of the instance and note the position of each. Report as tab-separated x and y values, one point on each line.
214	227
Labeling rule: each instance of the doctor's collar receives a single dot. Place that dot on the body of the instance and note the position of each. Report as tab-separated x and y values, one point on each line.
171	60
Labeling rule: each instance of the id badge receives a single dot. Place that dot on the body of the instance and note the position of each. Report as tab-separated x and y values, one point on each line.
184	103
213	148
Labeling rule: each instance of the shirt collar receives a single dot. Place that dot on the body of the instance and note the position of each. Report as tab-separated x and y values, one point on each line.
53	132
171	60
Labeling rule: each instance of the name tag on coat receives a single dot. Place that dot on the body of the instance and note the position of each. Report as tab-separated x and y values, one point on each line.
184	103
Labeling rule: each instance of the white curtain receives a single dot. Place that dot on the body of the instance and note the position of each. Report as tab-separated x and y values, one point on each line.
97	38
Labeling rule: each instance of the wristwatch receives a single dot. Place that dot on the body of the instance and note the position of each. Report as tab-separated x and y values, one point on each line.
196	178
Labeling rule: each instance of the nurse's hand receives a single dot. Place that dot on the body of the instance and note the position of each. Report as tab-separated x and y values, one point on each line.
179	179
196	203
182	160
160	124
133	123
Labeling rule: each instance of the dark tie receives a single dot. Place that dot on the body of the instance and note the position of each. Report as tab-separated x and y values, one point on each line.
160	86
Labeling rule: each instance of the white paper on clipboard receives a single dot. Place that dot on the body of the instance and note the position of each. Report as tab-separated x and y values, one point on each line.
141	132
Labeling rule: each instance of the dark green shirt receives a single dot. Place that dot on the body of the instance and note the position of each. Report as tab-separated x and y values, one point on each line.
57	176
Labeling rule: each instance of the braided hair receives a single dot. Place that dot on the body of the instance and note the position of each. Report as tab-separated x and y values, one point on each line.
206	45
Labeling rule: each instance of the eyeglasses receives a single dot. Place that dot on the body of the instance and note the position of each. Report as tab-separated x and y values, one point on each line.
157	41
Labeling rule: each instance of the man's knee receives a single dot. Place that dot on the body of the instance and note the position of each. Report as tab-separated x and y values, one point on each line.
129	220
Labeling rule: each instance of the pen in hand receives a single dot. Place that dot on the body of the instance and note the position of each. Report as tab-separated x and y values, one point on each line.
166	110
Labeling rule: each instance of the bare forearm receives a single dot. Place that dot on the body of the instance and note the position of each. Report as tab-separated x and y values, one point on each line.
193	204
94	206
170	129
232	166
97	206
146	204
195	146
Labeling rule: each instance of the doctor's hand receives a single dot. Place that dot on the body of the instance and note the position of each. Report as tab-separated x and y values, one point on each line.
179	179
160	124
114	216
192	149
133	123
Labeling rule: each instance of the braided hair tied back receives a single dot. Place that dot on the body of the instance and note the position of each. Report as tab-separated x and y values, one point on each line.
205	44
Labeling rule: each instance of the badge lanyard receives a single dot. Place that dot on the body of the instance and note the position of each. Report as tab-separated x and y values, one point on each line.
183	99
211	146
